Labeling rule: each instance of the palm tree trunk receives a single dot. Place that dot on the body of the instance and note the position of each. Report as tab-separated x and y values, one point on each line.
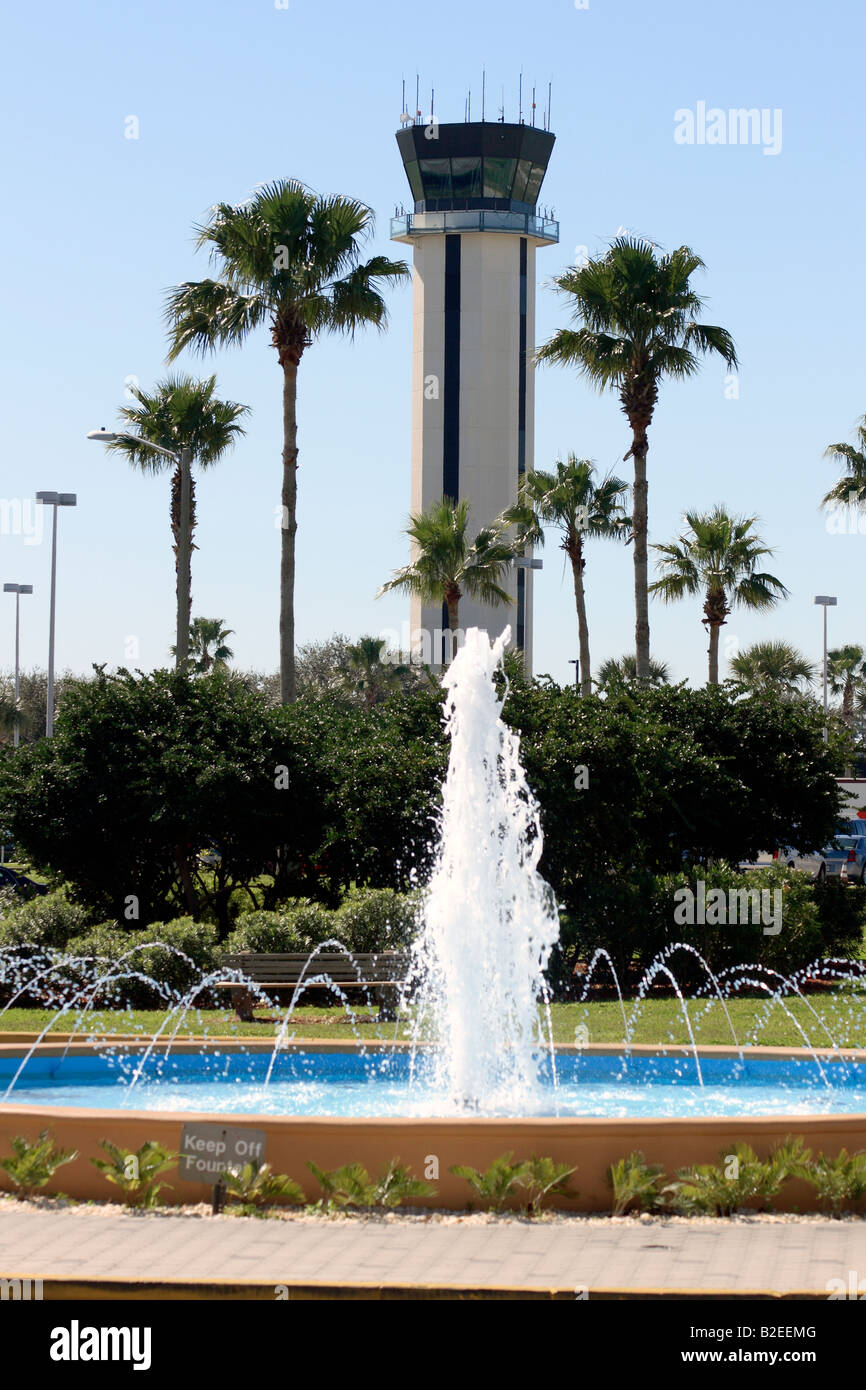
639	448
848	702
183	548
713	677
582	624
452	603
289	530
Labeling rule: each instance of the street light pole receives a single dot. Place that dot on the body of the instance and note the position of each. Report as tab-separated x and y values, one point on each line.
825	601
17	590
55	500
184	543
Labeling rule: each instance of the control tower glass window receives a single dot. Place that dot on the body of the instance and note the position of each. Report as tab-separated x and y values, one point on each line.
436	174
533	184
498	177
524	168
466	178
413	174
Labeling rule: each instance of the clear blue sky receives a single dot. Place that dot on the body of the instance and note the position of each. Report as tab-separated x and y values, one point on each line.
230	94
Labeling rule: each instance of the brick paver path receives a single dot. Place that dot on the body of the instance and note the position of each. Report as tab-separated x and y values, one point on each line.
718	1255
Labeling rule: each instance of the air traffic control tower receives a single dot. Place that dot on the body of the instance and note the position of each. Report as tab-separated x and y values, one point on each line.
474	231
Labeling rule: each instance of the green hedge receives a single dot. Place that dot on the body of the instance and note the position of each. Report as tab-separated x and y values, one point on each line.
47	921
634	919
376	919
368	919
298	927
197	941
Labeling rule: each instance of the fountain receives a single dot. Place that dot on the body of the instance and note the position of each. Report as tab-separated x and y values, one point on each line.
490	920
474	1073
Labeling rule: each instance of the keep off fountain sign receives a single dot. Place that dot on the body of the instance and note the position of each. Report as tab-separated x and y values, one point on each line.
206	1151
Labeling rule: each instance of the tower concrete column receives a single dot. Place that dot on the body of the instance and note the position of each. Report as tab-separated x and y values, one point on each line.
474	247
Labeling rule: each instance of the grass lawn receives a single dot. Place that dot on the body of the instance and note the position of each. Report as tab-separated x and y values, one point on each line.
658	1021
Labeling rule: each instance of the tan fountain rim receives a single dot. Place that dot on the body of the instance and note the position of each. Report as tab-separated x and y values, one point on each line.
17	1044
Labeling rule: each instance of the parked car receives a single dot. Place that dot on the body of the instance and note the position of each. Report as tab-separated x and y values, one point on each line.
850	851
27	887
765	860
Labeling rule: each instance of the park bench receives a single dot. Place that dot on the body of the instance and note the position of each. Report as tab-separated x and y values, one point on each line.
380	975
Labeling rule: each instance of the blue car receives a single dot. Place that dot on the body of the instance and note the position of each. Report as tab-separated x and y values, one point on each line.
20	883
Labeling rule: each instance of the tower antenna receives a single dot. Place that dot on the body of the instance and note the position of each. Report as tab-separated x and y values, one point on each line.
519	101
549	94
533	104
432	94
502	104
483	92
417	98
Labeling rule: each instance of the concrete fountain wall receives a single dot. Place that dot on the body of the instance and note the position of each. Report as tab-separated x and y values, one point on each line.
589	1144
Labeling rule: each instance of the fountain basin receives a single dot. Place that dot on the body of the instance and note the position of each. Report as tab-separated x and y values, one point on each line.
359	1084
780	1092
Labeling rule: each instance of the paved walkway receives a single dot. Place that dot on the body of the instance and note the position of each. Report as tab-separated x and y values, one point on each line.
411	1259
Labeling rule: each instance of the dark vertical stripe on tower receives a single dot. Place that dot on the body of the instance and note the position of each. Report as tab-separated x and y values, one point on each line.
451	372
521	430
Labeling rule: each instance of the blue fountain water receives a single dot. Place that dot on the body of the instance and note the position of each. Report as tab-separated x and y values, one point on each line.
311	1082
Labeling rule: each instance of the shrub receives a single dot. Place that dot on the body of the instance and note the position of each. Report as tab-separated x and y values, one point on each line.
495	1184
135	1172
170	972
351	1186
375	919
839	1182
635	920
254	1186
542	1178
740	1179
47	921
33	1164
635	1184
299	926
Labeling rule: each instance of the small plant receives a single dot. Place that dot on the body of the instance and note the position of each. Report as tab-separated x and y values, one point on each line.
254	1187
398	1184
710	1189
635	1184
791	1159
838	1182
496	1184
135	1172
352	1186
541	1178
34	1163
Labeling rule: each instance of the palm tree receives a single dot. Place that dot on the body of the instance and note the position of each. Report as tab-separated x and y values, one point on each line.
207	645
634	315
448	564
846	673
366	673
718	557
853	458
615	673
180	413
772	666
288	259
579	507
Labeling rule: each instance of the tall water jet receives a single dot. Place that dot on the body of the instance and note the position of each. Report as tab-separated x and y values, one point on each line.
490	919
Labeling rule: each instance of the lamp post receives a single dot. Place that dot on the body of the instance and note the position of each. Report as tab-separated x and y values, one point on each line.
17	590
575	662
184	543
55	500
825	601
